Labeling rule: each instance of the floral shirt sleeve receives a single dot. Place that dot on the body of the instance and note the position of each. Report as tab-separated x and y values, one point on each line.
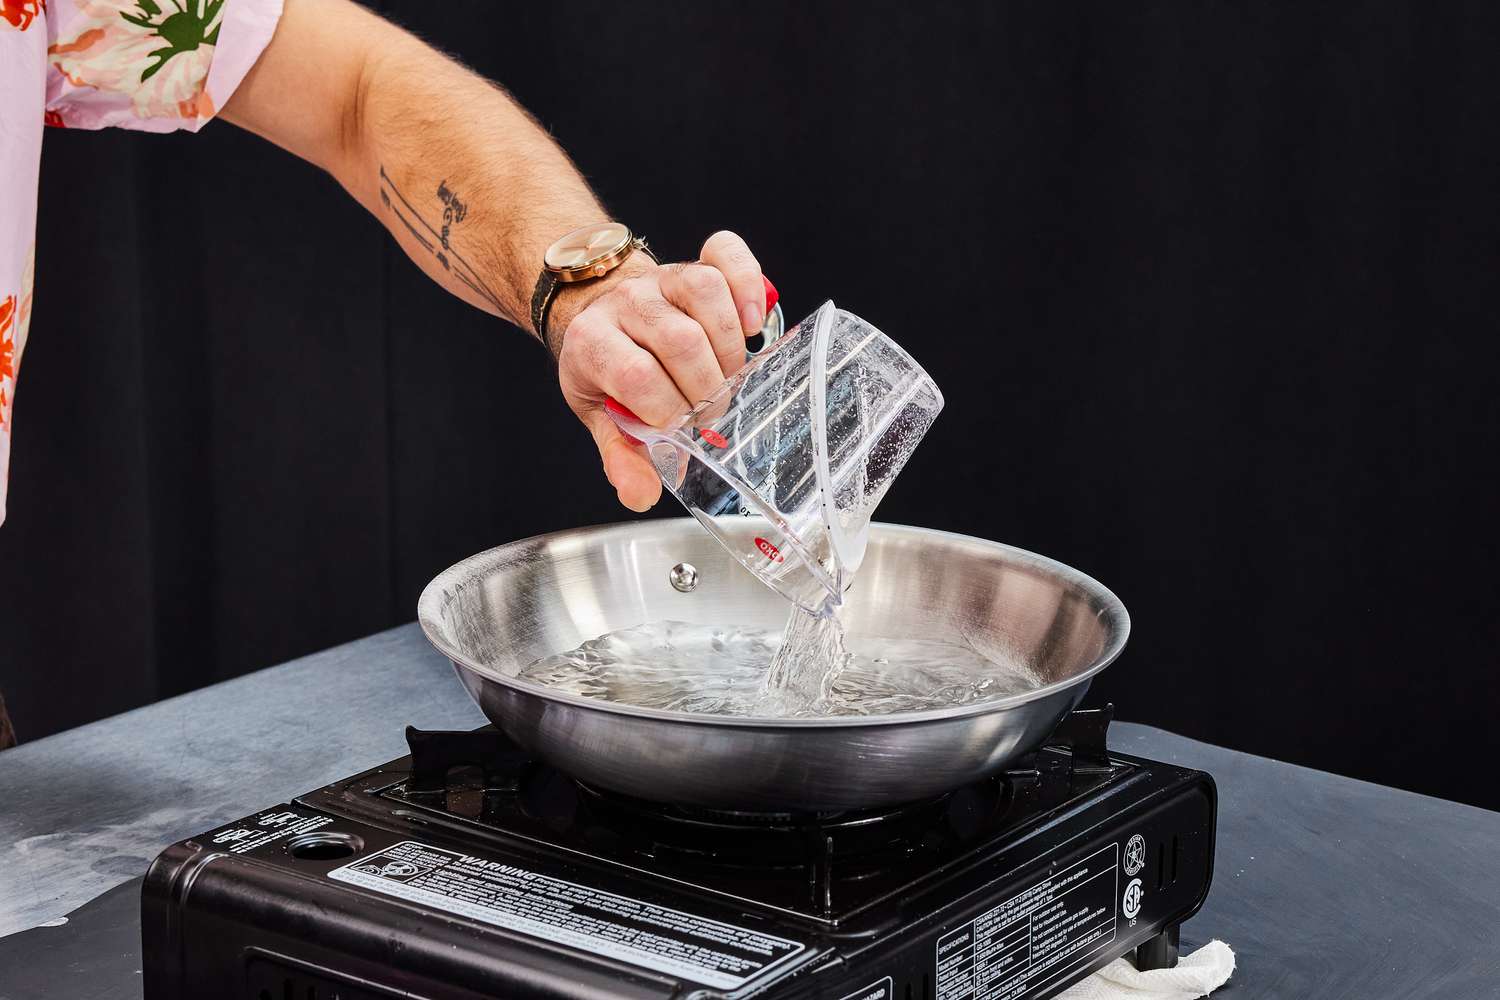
155	65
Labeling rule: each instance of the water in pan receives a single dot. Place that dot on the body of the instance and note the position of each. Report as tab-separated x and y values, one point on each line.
727	671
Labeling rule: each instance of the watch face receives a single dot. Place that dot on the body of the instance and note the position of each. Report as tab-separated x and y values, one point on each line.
582	247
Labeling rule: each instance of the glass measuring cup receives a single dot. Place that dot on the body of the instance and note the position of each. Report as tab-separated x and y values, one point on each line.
809	435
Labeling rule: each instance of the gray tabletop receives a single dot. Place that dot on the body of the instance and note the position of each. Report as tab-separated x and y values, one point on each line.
1324	886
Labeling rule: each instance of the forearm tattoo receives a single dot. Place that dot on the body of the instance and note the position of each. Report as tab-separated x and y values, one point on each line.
438	241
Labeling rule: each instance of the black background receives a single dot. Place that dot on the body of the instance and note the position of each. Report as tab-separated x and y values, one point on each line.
1211	290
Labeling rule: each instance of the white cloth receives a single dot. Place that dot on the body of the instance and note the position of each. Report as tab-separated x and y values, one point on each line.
1195	975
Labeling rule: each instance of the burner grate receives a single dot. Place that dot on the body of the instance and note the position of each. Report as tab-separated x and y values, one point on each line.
700	819
858	841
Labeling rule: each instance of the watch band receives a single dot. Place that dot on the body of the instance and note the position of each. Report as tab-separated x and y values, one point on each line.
547	286
541	304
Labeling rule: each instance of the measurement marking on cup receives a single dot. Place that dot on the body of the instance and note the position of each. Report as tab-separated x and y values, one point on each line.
713	437
768	550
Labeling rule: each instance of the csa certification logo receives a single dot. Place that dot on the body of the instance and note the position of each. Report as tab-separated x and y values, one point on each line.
395	869
1135	855
1131	904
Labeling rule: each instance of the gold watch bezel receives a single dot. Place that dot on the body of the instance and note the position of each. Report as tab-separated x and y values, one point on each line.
596	266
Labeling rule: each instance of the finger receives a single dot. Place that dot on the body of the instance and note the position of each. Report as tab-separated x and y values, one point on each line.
702	292
727	252
599	359
676	340
628	470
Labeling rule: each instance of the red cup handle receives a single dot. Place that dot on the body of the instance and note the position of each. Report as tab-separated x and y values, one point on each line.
614	407
616	410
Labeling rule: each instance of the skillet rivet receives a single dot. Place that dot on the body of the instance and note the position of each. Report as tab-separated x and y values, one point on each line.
683	577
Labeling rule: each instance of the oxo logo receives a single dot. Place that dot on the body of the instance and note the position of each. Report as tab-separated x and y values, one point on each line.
768	550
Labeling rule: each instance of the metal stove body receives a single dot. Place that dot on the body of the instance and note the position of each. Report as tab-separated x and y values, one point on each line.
466	870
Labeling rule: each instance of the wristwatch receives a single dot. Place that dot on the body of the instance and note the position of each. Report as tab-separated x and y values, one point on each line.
582	255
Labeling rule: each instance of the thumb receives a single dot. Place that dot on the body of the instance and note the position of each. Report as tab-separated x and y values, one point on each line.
626	467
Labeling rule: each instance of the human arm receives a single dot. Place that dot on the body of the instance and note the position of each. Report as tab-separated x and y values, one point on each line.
474	191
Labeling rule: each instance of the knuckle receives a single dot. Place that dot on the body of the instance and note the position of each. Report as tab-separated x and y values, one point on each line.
579	334
585	348
643	298
580	326
701	280
728	338
653	311
635	290
731	356
681	340
636	376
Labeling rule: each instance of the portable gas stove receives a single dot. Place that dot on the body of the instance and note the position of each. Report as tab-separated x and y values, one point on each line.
468	870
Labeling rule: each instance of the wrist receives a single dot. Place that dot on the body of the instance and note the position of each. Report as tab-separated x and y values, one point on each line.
573	298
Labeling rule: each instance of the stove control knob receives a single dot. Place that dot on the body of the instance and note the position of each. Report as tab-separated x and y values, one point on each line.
683	577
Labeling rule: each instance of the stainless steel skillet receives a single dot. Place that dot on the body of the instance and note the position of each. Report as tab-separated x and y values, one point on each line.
496	612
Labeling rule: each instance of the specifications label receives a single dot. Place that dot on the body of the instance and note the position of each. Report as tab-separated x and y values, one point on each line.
264	828
630	930
1034	938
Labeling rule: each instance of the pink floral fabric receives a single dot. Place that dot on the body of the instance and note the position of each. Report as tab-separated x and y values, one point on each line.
152	65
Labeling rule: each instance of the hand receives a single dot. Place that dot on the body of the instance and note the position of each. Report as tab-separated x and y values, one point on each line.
658	339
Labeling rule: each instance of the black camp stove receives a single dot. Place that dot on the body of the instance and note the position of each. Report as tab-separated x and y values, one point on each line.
468	870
